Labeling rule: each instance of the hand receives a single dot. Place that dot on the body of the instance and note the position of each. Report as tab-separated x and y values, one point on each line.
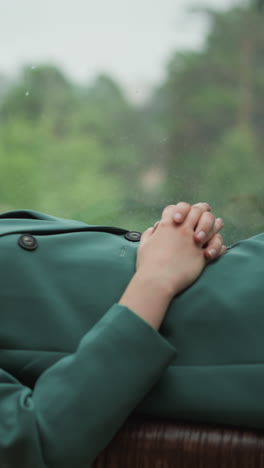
168	254
206	231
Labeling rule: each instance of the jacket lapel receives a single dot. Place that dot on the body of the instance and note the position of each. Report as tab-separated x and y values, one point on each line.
29	221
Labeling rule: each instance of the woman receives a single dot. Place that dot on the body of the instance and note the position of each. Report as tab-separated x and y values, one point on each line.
80	310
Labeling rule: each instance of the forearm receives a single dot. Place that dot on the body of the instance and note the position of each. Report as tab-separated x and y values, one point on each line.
148	298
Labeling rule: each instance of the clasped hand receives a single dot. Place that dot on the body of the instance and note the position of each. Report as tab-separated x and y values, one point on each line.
178	247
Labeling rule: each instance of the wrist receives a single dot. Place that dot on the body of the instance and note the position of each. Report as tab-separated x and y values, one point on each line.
156	283
147	297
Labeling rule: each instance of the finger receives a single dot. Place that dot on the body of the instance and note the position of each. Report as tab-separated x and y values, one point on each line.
223	250
146	235
203	203
218	225
206	228
183	210
155	226
180	211
214	247
195	215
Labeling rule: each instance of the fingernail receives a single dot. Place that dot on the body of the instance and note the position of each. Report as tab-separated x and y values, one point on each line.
207	204
201	236
212	252
219	220
178	217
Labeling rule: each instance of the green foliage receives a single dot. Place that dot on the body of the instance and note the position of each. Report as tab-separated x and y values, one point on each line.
235	173
85	152
39	90
212	106
64	176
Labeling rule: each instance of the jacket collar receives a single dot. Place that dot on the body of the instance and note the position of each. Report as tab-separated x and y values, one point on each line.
30	221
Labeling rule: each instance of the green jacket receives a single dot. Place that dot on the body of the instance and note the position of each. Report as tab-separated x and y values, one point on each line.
74	363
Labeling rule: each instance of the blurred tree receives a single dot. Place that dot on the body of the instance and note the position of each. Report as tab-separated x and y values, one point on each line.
207	94
86	152
4	85
64	144
40	91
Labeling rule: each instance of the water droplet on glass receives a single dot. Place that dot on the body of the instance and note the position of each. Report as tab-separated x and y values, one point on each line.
27	93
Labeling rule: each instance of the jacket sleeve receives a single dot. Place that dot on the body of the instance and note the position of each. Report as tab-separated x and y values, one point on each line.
79	403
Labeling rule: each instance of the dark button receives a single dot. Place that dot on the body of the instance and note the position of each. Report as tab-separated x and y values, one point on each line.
28	242
133	236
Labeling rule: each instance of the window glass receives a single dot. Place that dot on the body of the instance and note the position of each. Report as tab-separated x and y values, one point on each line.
109	111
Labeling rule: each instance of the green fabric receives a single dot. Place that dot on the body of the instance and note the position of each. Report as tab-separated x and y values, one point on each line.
89	360
74	363
217	326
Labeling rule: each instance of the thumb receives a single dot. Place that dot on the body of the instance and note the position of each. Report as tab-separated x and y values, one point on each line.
146	235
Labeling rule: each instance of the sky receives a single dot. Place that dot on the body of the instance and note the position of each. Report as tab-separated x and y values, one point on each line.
131	40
